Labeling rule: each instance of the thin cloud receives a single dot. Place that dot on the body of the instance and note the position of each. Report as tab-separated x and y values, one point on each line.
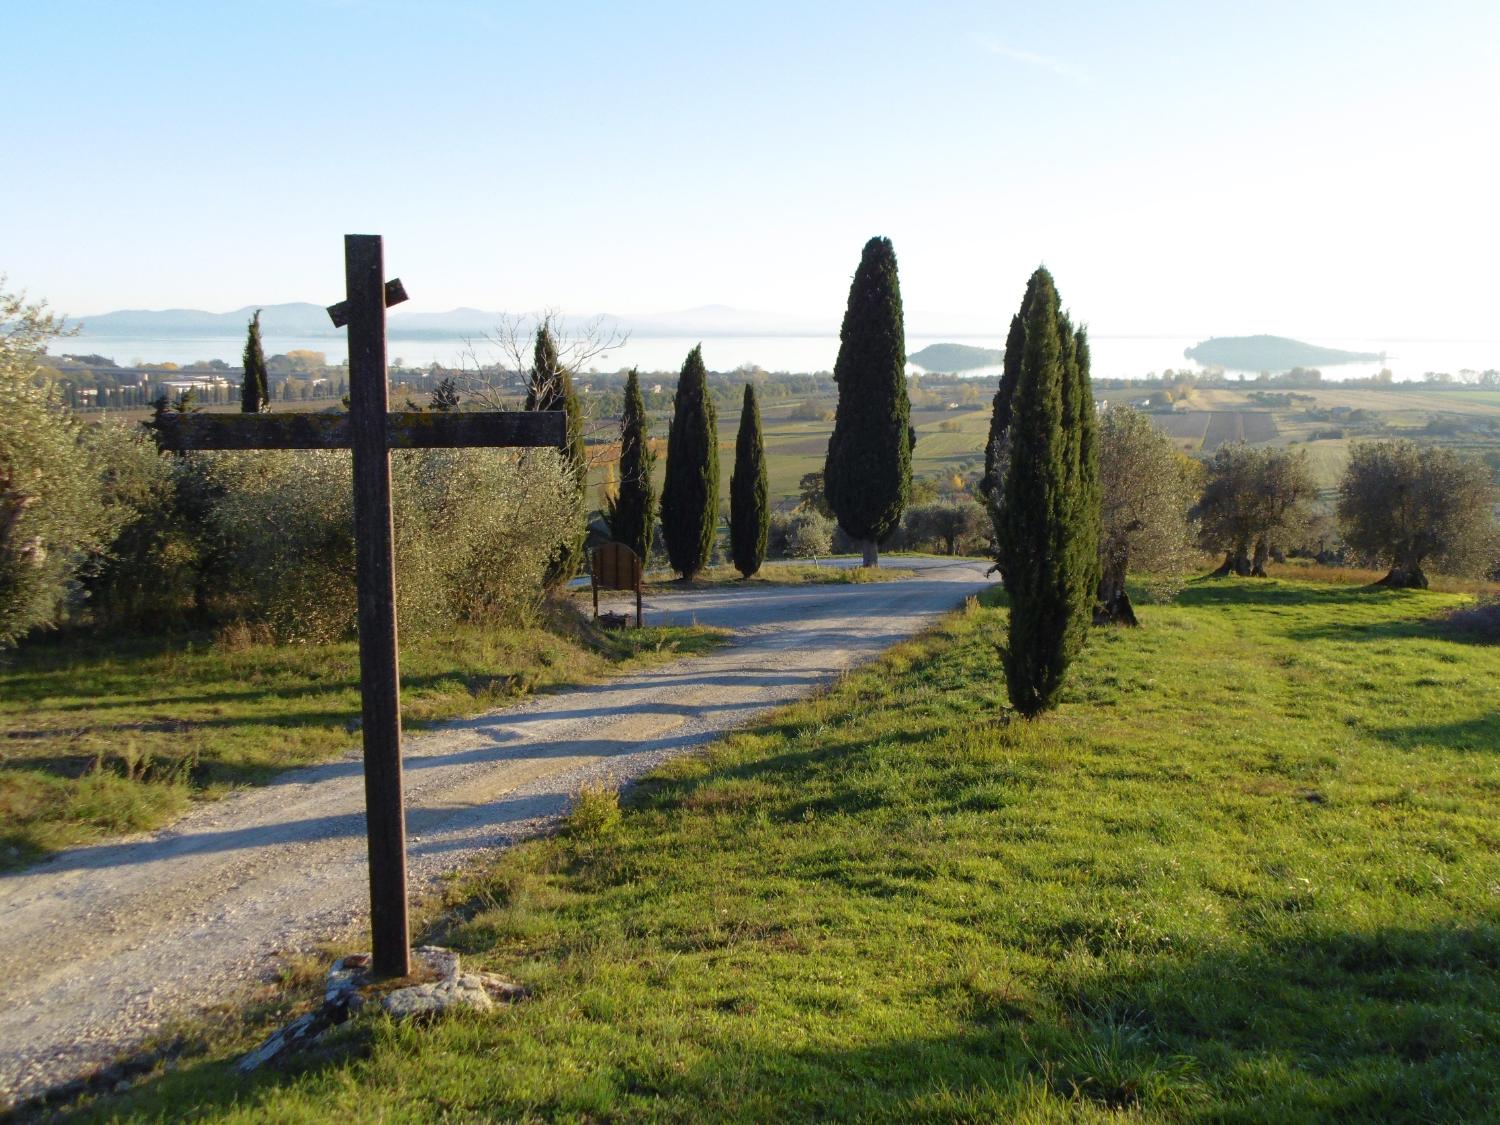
1059	67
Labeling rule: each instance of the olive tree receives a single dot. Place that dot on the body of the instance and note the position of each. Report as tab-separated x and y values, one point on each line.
950	526
52	518
475	534
1254	501
1143	521
1405	505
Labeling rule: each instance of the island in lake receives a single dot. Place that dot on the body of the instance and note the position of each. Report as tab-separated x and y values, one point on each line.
1271	353
949	358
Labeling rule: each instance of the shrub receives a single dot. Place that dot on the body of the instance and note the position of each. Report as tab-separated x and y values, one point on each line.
474	531
52	518
803	534
959	527
151	572
595	812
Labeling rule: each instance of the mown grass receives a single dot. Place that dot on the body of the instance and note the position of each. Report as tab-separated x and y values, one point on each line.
1248	870
104	736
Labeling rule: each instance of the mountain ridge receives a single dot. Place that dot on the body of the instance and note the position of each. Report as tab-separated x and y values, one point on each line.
302	318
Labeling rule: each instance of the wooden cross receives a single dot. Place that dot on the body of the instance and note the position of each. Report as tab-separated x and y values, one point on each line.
371	431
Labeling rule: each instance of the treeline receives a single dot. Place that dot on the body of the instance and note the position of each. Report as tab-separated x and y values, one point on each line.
94	382
99	529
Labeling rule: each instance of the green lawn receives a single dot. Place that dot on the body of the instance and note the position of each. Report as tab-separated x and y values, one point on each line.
1249	870
106	736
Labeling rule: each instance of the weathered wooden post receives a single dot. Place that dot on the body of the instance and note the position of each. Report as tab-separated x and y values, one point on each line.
371	432
375	581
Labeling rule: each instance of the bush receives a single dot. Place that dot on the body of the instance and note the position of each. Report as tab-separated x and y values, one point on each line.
804	534
152	571
52	518
960	527
595	812
474	531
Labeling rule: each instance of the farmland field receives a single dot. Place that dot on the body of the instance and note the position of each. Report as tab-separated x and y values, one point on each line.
1321	421
1187	428
1241	425
1205	430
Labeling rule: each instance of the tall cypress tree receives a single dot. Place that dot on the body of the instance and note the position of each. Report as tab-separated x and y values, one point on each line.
690	495
749	512
867	475
253	396
1048	520
634	509
550	387
1000	407
1086	519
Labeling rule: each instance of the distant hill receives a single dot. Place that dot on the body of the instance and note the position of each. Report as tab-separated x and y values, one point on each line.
295	319
955	357
1270	353
301	319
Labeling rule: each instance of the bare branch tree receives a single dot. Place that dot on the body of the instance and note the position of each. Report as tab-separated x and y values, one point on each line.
499	384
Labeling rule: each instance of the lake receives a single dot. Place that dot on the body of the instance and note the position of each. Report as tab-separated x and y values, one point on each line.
1113	356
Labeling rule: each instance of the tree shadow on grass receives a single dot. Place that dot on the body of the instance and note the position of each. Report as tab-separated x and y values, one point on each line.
1479	733
1438	628
1273	592
1385	1025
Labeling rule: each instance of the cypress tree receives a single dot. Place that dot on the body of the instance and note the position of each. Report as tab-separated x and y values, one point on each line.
749	512
1086	494
867	475
550	387
1048	520
690	495
1000	407
253	396
634	509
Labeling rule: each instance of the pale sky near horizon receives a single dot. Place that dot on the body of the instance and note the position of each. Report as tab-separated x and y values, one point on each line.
1314	169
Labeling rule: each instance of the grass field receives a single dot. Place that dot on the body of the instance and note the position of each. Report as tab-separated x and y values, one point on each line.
1249	870
101	737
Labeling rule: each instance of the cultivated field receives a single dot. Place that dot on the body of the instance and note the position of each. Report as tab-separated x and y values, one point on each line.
1324	421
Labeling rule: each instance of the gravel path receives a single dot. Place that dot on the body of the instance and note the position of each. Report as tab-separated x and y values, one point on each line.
101	945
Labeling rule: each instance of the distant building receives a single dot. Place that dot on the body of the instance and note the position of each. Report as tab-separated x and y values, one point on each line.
192	383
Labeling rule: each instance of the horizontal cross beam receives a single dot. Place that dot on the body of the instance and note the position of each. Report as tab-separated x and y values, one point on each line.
403	430
395	293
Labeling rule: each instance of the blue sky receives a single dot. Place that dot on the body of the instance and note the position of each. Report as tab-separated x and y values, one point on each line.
1305	168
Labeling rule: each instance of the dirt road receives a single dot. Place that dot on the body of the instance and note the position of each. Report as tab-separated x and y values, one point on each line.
101	945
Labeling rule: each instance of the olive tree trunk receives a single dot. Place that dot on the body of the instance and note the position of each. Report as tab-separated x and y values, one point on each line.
1409	577
1113	606
1258	561
1235	562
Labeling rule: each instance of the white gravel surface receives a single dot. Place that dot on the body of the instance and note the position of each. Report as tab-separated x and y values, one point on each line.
100	945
